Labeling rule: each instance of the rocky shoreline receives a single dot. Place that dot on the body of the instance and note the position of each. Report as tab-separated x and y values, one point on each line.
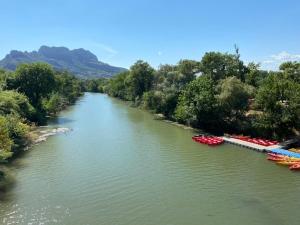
41	134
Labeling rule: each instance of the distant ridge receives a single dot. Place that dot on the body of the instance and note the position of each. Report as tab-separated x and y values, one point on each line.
80	62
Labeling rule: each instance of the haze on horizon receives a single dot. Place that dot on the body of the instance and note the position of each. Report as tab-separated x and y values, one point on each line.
120	32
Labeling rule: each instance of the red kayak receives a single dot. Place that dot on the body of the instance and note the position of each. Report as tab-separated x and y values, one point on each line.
275	158
275	155
258	141
209	140
295	166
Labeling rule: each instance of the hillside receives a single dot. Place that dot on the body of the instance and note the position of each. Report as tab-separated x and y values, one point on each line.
80	62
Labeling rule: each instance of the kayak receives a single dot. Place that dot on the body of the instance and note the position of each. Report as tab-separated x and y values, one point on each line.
295	166
258	141
275	159
297	150
209	140
275	155
287	163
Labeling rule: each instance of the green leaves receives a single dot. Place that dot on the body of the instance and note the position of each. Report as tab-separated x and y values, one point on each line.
35	81
5	141
12	102
197	104
279	99
227	95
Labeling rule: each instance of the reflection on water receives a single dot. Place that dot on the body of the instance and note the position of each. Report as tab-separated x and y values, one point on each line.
119	166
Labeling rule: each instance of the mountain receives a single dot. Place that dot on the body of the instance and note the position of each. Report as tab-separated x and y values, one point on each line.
80	62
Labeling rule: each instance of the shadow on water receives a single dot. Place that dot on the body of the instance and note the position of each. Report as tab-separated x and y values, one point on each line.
7	184
59	121
257	207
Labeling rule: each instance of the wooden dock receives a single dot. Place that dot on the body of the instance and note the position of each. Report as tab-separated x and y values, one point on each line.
250	145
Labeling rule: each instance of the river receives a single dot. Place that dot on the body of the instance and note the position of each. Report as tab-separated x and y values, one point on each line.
119	166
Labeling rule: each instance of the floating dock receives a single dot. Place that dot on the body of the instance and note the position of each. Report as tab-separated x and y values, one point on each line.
250	145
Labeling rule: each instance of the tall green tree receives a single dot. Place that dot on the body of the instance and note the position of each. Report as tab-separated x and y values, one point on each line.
187	70
117	87
279	100
198	105
35	81
233	98
219	66
140	79
255	76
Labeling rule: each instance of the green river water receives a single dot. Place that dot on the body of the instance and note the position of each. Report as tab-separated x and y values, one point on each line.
119	166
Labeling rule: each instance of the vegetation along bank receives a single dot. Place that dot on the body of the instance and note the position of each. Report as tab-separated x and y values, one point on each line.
28	96
219	94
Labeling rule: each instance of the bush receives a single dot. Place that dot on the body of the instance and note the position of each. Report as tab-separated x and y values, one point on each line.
5	141
54	104
12	102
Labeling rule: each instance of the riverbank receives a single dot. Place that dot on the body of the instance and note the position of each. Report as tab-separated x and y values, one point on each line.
34	137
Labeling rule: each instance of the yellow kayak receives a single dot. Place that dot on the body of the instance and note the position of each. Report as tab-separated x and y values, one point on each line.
293	159
297	150
287	163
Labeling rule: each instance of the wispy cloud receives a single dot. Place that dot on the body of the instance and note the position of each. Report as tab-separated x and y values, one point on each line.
106	48
268	61
273	61
159	53
285	56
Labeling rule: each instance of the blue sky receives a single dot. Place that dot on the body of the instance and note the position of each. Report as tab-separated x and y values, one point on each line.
157	31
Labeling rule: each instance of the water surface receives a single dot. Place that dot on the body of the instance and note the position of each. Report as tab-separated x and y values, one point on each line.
119	166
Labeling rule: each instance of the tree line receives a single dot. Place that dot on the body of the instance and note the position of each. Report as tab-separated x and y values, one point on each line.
219	94
28	96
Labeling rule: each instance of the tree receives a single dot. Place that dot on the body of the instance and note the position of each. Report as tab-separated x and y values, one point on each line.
68	86
255	76
219	66
36	81
187	70
5	141
140	79
12	102
117	87
291	70
197	104
161	101
233	98
54	104
279	100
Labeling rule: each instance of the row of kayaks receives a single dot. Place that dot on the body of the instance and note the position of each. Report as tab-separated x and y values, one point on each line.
258	141
208	140
292	162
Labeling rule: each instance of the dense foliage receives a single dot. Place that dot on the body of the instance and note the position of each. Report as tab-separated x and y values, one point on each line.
219	94
29	95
